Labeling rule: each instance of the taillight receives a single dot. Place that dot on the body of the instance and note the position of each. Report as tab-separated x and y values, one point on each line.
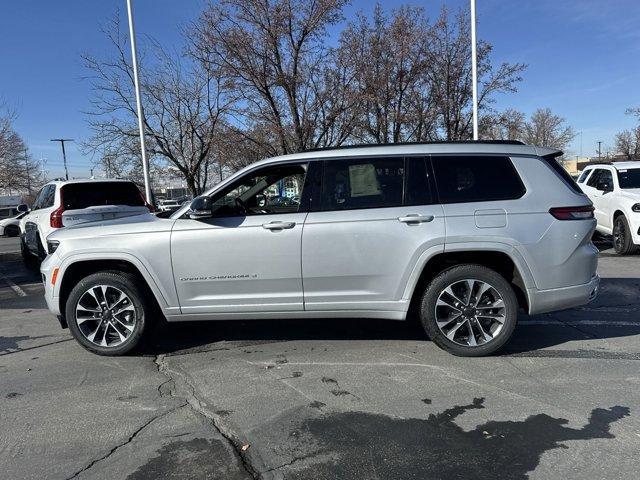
146	204
56	218
572	213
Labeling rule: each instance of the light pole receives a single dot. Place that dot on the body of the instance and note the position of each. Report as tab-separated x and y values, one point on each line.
474	70
136	81
64	155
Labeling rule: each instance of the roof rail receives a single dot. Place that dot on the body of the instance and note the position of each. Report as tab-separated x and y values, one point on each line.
443	142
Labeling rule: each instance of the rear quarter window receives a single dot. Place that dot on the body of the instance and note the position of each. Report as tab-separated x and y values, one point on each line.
564	175
83	195
461	179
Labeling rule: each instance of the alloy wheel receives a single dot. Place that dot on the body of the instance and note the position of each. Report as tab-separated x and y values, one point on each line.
105	315
618	235
470	312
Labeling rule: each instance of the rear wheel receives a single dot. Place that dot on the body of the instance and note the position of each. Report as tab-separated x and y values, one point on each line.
622	241
108	313
469	310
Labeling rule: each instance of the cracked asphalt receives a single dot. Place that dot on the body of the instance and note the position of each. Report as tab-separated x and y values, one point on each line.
322	399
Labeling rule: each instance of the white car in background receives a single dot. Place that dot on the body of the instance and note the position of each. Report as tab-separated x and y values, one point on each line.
168	205
614	189
71	202
10	227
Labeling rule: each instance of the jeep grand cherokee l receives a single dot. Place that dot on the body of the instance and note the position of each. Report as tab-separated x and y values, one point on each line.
463	235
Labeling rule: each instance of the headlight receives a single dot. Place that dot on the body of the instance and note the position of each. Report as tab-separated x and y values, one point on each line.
52	246
636	207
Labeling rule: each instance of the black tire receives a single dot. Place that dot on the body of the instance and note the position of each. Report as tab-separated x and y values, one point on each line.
12	230
28	257
622	241
140	298
452	276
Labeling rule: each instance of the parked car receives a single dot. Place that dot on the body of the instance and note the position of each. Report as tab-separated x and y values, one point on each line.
72	202
168	205
10	227
460	234
614	190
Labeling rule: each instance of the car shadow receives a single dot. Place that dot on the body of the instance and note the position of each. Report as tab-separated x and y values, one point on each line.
614	314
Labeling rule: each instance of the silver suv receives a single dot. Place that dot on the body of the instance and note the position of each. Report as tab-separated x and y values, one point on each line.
461	235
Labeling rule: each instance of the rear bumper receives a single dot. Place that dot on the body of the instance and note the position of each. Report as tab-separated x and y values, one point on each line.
541	301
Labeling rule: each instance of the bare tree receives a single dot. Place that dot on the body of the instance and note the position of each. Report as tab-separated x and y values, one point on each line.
19	171
545	129
450	75
275	53
184	106
506	125
388	56
628	143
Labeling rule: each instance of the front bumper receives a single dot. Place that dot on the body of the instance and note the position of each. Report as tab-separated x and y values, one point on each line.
46	269
541	301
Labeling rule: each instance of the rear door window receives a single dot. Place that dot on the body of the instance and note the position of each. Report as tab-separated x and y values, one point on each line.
92	194
417	190
461	179
362	183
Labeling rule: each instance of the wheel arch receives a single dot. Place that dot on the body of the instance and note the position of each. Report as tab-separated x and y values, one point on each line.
80	268
513	270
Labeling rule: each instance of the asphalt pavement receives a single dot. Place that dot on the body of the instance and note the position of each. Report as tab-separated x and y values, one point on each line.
322	399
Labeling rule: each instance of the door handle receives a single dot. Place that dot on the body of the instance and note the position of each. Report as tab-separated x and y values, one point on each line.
278	225
414	218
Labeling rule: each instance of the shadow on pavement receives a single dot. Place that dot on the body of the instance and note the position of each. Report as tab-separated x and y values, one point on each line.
616	303
437	447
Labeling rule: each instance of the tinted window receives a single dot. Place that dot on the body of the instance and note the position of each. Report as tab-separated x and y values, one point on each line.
37	203
92	194
362	183
560	170
606	177
48	196
417	188
595	177
266	191
629	178
583	176
476	179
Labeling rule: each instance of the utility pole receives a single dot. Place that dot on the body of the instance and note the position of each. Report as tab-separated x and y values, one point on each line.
599	150
64	155
136	81
474	70
26	165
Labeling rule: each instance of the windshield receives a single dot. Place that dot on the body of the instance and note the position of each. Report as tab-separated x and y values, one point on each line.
629	178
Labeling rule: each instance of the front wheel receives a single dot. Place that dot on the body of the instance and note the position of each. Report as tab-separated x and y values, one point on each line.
622	241
108	313
469	310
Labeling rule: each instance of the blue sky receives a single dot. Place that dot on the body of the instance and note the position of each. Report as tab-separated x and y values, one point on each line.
583	60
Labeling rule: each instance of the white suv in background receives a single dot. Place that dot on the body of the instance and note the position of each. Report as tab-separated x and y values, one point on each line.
614	190
63	203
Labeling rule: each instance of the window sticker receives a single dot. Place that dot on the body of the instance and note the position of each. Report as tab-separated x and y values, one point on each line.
363	180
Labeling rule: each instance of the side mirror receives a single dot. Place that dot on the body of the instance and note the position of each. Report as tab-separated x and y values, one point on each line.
23	207
604	186
201	207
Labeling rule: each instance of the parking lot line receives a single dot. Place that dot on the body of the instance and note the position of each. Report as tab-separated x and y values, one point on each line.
613	323
14	287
